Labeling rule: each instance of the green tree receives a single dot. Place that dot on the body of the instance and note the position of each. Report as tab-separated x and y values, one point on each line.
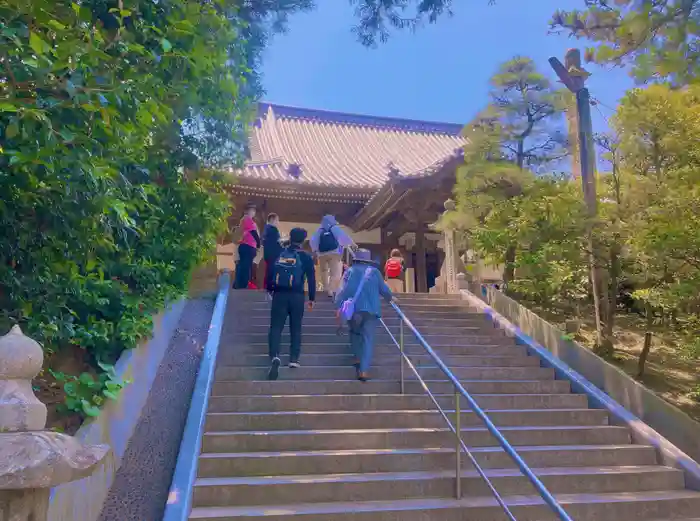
111	114
526	113
378	17
651	206
520	129
658	37
540	219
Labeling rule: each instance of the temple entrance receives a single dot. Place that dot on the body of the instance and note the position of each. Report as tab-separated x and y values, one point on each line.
432	265
432	269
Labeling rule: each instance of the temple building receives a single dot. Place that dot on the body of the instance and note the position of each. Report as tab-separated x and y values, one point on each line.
385	179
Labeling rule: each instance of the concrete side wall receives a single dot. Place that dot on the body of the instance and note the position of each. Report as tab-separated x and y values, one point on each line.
83	500
675	435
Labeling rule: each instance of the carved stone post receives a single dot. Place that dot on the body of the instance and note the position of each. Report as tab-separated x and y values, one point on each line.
32	459
450	254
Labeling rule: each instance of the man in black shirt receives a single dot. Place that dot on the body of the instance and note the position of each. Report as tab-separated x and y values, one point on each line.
272	245
285	280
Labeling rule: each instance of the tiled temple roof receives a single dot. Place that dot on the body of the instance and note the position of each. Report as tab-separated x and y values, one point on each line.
334	149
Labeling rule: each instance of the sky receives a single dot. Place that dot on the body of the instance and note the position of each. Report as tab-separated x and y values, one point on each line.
439	73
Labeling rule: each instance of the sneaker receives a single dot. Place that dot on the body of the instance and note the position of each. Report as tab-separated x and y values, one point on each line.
362	376
274	369
294	365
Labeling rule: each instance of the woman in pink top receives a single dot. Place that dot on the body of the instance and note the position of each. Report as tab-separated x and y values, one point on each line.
247	248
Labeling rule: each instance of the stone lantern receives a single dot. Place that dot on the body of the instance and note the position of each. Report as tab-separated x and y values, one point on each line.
32	459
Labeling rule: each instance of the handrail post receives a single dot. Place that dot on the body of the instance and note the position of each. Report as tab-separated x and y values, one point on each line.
458	453
401	347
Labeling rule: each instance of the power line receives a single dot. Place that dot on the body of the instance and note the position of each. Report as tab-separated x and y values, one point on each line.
597	102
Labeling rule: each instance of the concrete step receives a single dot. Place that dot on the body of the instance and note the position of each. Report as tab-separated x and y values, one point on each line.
387	372
424	320
393	359
260	297
331	439
260	313
402	418
270	490
330	327
415	459
324	316
381	337
363	402
317	445
230	351
644	506
429	296
352	387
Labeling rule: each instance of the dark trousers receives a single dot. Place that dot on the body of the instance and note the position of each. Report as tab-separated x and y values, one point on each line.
269	264
362	328
286	304
244	268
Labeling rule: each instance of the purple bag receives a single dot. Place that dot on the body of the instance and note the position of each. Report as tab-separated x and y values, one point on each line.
347	308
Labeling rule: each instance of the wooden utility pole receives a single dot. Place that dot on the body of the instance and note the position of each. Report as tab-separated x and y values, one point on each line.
573	76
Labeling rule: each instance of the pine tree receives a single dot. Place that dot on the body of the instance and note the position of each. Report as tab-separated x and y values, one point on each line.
518	133
658	37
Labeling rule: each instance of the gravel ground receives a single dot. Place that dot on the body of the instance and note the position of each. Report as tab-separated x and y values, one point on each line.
140	488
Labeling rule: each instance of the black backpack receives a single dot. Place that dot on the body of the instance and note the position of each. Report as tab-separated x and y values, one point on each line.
327	241
288	270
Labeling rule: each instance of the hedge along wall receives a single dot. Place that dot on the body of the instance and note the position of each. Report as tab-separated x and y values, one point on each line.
83	500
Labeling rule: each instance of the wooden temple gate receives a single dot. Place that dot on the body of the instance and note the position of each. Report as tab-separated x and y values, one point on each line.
385	179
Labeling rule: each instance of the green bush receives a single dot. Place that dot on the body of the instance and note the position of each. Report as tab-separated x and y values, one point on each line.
113	116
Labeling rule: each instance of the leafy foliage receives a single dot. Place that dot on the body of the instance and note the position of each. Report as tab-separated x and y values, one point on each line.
658	133
85	394
516	135
659	37
540	219
378	17
524	116
648	221
109	113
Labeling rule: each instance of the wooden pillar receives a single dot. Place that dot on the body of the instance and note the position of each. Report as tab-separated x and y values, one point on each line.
259	268
421	267
385	247
410	274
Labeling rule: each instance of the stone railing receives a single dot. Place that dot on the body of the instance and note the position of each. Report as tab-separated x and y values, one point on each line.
452	276
32	459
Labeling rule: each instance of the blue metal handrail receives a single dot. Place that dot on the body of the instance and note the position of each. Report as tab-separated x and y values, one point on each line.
456	428
179	501
493	430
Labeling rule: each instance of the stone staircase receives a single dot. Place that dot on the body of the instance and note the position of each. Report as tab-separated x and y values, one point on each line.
317	445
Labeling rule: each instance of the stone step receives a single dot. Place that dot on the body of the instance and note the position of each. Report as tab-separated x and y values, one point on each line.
402	418
259	313
260	296
353	387
317	445
393	321
381	337
387	372
393	359
257	441
363	402
272	490
229	352
404	460
330	327
642	506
